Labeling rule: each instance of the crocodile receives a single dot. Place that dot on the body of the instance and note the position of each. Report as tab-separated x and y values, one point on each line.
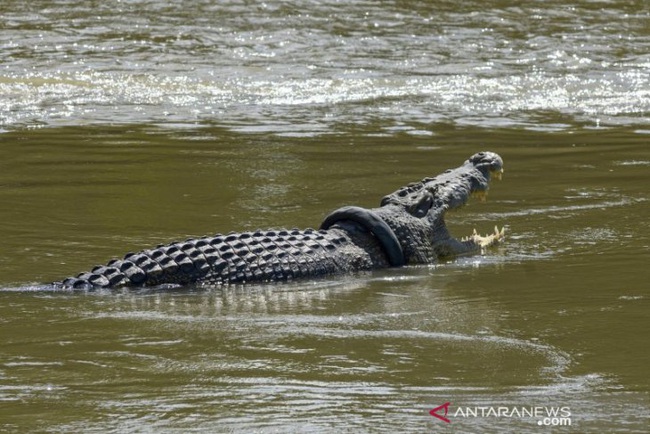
407	228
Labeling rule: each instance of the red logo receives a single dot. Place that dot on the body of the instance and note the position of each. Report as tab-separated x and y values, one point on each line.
435	410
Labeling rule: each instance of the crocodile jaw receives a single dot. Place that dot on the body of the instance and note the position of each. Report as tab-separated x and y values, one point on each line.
484	241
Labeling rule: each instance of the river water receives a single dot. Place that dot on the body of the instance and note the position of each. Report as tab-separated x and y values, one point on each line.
125	124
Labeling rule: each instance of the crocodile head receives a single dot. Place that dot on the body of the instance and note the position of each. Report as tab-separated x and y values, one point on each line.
451	189
427	201
410	225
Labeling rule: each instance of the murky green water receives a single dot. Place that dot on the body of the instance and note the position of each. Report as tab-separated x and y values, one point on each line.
129	124
555	317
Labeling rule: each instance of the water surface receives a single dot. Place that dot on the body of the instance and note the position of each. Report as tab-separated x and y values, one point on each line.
129	124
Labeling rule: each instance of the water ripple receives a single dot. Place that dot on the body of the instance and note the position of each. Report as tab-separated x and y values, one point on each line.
329	63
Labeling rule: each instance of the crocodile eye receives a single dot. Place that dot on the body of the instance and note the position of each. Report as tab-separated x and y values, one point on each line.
421	204
477	158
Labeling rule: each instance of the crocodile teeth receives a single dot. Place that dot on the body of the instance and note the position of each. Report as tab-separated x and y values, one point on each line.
480	195
487	240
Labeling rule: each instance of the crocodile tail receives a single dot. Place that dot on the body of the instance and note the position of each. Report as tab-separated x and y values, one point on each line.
235	258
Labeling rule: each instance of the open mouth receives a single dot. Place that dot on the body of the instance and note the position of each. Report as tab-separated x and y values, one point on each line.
484	241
